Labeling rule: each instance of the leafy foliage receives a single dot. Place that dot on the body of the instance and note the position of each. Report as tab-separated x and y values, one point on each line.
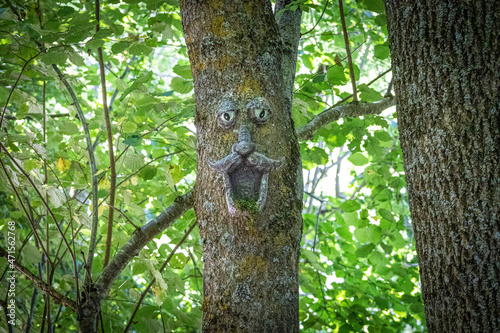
358	270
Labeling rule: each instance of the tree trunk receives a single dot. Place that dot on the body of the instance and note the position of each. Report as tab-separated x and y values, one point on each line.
446	65
248	199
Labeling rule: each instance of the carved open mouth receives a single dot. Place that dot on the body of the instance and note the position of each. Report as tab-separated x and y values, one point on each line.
246	175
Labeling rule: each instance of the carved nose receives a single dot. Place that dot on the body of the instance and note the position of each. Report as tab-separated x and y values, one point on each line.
245	146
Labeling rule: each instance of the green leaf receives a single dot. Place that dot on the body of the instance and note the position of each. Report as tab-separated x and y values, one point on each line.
183	71
140	49
313	259
178	260
350	206
56	197
381	20
336	75
381	51
368	94
319	78
148	172
94	44
417	308
117	29
378	259
316	155
133	161
358	159
369	234
120	47
381	302
307	61
129	127
382	136
181	86
386	214
133	140
68	127
344	233
376	6
31	254
365	250
75	58
54	56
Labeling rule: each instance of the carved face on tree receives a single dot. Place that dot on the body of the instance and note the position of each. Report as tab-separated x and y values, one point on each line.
245	170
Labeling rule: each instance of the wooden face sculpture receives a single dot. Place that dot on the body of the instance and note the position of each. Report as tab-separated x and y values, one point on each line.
245	171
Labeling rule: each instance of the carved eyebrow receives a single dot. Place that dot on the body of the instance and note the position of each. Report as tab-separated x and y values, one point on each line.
258	102
227	105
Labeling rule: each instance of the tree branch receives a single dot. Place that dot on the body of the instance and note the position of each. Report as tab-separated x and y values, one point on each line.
348	50
57	296
95	201
342	111
139	239
112	187
289	25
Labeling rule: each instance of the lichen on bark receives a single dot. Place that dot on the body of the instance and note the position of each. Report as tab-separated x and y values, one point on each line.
250	279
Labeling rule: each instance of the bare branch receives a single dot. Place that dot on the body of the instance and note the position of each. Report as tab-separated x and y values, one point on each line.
112	187
57	296
348	50
343	111
90	150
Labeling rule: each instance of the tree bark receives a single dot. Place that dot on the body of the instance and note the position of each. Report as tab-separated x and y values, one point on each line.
251	249
446	65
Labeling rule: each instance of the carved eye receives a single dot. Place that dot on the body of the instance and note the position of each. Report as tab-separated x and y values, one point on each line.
226	118
260	114
260	111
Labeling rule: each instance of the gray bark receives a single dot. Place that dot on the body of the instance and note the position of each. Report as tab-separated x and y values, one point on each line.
250	255
446	65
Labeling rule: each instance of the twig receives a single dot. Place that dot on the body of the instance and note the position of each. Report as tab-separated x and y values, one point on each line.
312	29
45	181
317	225
145	165
15	85
389	88
349	110
125	216
115	93
32	310
313	196
347	48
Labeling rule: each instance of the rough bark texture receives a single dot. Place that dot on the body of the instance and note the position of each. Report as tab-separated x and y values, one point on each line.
446	65
250	257
289	26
